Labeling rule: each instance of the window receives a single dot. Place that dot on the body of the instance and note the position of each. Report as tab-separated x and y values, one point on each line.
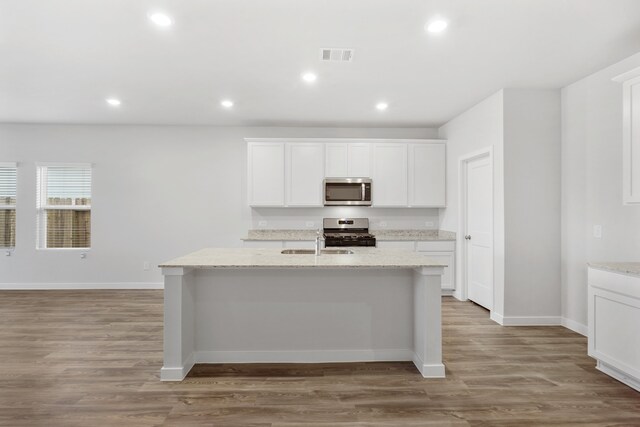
8	179
64	206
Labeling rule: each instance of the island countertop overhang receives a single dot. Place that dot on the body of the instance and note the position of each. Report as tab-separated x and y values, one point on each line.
212	258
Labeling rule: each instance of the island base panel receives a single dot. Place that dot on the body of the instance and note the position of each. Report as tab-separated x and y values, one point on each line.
196	298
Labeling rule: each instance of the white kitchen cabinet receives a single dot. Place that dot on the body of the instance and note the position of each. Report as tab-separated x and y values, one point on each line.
289	172
614	324
441	250
304	174
266	173
427	175
389	175
359	159
449	258
337	160
631	141
351	159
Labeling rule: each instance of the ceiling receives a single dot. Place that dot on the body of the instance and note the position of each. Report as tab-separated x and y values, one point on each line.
60	60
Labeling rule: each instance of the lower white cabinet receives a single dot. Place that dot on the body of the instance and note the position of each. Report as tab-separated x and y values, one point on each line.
614	324
440	250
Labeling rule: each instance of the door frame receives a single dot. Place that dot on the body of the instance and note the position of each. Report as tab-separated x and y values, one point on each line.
463	161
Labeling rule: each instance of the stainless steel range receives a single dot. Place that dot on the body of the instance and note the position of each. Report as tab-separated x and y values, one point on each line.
347	232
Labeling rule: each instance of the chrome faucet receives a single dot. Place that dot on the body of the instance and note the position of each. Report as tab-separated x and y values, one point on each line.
318	238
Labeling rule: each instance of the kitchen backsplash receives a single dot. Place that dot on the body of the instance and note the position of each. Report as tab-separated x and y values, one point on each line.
311	218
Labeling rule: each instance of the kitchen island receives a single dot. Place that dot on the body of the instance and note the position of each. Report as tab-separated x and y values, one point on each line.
263	306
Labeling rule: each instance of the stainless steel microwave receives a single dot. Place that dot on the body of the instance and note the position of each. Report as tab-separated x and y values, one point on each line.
347	192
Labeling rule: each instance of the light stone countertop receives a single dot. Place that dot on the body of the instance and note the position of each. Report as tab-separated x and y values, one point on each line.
382	235
272	258
632	268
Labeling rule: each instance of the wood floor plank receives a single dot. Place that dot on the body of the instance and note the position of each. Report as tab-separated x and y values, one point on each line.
92	358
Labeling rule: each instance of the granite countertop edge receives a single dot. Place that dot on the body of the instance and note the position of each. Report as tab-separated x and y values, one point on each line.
229	258
630	268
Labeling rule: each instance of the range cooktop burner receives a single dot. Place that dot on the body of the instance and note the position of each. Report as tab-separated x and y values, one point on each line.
347	232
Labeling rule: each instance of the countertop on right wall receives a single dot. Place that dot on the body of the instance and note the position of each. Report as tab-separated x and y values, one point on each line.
632	268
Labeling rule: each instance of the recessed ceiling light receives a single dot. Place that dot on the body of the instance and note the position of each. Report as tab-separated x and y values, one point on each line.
382	106
436	26
226	103
309	77
114	102
161	19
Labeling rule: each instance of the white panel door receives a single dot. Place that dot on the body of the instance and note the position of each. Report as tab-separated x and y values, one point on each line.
265	167
359	159
337	160
305	172
427	174
389	174
479	233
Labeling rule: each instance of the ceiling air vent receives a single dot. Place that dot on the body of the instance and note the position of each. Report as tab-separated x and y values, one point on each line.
336	54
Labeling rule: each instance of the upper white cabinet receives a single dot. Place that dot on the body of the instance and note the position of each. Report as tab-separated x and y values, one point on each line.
337	160
630	136
304	174
348	159
289	172
389	174
266	172
427	175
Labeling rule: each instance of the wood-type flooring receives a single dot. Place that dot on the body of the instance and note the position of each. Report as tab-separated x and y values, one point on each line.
92	358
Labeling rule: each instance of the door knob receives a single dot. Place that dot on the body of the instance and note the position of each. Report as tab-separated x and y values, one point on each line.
467	237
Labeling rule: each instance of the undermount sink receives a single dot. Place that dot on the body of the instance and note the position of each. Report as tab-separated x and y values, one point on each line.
312	252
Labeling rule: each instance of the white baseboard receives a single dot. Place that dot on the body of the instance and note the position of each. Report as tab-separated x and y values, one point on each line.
306	356
619	375
429	370
496	317
526	320
575	326
77	286
177	373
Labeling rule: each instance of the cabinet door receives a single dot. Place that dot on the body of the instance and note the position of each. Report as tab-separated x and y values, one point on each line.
305	172
448	278
359	160
336	160
389	174
427	174
631	141
265	167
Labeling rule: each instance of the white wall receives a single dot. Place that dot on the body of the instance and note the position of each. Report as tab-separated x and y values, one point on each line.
532	204
592	185
477	128
523	128
158	192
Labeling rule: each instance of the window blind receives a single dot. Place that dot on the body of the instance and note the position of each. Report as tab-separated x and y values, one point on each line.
64	202
8	196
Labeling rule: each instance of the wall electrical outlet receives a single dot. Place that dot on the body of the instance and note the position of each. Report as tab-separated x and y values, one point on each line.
428	224
262	223
383	223
597	231
310	224
145	266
